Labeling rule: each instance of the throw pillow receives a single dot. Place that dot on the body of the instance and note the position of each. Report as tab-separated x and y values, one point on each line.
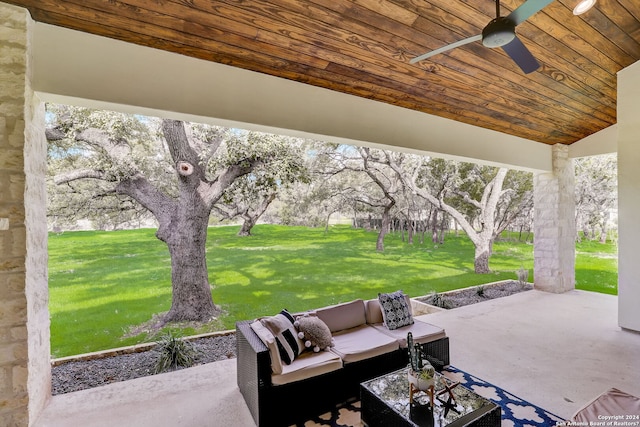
281	326
395	310
314	332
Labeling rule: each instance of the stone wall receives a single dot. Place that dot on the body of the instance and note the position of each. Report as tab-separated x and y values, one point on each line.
554	225
25	374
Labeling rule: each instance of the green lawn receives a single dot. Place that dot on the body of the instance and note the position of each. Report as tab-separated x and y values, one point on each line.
102	283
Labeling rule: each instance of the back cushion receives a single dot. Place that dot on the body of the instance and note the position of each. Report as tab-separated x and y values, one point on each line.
374	312
343	316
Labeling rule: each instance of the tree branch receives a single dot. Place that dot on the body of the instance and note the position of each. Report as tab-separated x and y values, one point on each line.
54	134
210	192
145	193
79	174
179	147
118	150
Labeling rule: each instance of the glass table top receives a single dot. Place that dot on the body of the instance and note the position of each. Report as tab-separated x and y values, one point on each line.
393	390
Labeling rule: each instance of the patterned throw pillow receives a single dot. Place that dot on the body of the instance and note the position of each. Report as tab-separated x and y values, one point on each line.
395	310
281	326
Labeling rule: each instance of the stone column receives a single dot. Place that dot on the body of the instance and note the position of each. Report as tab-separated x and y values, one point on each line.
25	373
554	225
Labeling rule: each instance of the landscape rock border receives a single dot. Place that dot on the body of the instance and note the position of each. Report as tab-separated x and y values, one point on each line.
472	295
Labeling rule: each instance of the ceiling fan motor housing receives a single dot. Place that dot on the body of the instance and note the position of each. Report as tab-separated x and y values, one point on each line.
498	32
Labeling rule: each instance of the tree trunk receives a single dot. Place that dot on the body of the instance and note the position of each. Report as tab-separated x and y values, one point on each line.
411	227
247	225
383	228
326	223
481	259
251	218
604	232
186	239
434	226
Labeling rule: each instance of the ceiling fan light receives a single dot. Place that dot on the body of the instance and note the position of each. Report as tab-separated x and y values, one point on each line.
583	6
498	32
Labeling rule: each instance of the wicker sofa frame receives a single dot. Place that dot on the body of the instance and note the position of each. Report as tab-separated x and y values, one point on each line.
284	405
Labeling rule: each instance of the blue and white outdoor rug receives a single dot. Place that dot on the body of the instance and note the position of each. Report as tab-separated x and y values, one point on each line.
516	412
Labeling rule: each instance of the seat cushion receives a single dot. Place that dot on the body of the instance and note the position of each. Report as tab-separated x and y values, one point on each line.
362	342
422	332
308	365
610	403
343	316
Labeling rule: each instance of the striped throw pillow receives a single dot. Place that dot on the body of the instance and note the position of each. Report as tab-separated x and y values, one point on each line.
286	335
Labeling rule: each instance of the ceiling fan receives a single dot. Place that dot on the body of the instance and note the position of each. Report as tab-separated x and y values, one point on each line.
501	32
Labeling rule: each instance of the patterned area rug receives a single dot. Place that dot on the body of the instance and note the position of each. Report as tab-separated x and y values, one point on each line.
516	412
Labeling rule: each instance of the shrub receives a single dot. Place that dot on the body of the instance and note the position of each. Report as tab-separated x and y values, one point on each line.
174	352
440	301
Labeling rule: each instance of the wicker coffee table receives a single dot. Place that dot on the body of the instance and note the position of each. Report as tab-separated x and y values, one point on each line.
385	403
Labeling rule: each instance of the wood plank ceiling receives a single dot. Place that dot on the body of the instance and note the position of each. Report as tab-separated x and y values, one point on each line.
363	48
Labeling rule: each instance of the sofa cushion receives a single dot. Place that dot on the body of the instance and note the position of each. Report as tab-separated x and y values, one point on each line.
422	332
362	342
286	335
343	316
270	341
610	403
395	310
306	366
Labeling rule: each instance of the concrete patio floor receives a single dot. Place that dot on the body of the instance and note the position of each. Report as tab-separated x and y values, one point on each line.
557	351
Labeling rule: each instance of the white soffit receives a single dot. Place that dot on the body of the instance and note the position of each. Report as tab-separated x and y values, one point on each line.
71	66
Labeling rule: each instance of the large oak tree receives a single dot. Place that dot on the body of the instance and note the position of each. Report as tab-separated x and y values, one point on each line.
178	176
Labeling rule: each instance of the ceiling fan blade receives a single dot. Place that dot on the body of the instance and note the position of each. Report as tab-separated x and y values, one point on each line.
446	48
527	9
521	55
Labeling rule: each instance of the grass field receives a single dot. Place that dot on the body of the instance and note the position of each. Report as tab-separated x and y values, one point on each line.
103	283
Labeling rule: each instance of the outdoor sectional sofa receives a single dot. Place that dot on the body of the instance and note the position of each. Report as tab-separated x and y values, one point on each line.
279	394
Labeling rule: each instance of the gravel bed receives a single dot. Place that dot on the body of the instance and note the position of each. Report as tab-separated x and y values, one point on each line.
81	375
474	295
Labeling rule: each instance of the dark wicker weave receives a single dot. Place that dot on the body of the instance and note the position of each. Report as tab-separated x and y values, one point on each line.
437	353
283	405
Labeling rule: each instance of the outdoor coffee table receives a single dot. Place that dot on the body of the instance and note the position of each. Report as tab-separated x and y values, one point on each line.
385	403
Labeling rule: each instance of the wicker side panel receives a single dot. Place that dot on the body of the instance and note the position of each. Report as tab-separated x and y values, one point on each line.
488	416
284	405
491	419
251	351
375	413
437	352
